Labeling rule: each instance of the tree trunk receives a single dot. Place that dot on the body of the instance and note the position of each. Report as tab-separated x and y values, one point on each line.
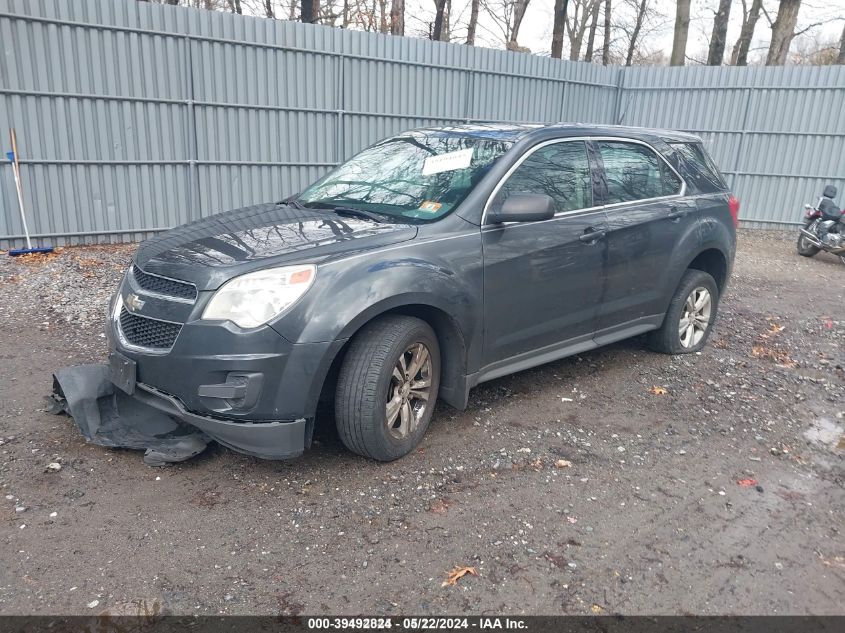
473	22
679	43
840	59
308	11
605	50
739	57
519	8
716	55
591	38
441	21
397	17
558	27
783	30
638	25
268	9
235	6
577	30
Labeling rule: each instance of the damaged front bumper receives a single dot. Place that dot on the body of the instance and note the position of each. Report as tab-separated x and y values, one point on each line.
250	390
158	423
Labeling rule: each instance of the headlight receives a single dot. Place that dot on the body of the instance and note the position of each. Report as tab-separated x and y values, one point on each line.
255	298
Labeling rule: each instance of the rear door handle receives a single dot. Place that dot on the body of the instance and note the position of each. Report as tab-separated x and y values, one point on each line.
591	236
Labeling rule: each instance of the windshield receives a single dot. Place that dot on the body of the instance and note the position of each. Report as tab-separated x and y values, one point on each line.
417	176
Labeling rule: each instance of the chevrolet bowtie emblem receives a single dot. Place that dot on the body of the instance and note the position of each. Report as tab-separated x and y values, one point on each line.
134	302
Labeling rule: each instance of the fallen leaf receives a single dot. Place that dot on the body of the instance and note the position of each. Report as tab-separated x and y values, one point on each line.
597	609
747	483
563	463
439	507
658	391
456	574
572	520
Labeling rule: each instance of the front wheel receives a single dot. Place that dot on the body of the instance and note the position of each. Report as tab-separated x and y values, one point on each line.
690	317
805	247
387	387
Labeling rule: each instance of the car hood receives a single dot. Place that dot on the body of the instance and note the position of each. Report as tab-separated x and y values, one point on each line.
211	251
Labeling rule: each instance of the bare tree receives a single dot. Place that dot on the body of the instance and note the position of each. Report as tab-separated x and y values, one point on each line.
558	27
739	56
473	22
783	31
840	59
235	6
716	55
815	50
507	16
679	42
440	32
591	38
641	9
397	17
577	24
605	50
520	7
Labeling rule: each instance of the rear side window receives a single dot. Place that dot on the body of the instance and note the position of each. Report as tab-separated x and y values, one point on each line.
559	170
698	168
635	172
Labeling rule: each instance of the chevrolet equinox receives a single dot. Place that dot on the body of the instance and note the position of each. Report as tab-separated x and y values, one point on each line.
428	263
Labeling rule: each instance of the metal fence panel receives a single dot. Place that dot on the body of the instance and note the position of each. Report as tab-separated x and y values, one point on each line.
777	133
134	117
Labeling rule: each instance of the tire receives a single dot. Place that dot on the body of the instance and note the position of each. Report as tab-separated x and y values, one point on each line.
805	247
369	382
669	339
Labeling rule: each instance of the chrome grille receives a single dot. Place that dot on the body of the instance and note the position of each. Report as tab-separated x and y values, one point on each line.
146	332
164	286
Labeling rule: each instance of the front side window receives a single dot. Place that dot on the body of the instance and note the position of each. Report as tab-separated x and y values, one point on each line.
560	170
419	175
635	172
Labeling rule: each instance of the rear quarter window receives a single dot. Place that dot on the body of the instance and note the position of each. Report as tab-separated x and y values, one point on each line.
698	169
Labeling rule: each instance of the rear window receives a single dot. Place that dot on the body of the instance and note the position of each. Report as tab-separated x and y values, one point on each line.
698	169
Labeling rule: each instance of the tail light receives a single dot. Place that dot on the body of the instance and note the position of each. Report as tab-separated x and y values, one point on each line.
733	205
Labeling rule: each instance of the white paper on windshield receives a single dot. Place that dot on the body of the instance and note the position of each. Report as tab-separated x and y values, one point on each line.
447	162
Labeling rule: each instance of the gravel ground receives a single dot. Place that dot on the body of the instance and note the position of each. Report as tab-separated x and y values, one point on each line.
578	487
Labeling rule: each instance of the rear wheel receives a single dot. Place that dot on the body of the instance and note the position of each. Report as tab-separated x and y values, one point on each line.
806	247
690	316
387	387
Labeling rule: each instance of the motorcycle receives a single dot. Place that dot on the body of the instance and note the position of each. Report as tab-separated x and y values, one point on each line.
823	227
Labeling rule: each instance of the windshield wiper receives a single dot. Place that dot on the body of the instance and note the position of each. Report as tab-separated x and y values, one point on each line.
359	213
293	201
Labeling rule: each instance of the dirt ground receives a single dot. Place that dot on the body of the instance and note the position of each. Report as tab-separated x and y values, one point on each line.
649	518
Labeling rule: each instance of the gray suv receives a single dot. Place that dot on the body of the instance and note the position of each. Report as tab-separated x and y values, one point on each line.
428	263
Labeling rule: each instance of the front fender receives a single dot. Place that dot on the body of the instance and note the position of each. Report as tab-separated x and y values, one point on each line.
348	292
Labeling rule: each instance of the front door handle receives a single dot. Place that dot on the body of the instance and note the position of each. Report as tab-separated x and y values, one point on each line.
676	214
591	236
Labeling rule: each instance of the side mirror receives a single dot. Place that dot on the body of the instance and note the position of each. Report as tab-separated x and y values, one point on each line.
523	207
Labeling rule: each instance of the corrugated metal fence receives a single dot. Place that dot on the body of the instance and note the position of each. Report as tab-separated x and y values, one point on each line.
133	117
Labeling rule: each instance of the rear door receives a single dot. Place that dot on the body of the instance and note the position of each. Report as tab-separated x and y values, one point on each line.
646	216
543	280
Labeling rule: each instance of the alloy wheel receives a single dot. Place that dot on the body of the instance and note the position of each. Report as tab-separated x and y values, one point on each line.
695	318
409	391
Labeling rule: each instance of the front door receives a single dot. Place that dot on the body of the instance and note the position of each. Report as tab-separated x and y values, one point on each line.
543	280
646	218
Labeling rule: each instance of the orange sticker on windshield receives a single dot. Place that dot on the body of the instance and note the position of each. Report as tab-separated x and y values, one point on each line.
430	206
